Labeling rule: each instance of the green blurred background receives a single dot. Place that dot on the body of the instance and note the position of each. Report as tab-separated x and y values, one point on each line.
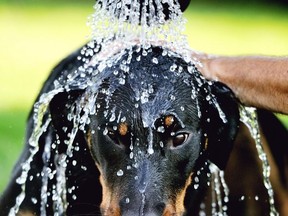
35	35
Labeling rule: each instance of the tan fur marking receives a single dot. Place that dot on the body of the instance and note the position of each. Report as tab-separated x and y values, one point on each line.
206	144
123	129
168	121
110	200
176	206
89	138
169	210
25	213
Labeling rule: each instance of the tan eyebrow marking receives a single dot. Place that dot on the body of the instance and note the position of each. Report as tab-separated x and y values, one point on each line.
168	120
123	129
206	144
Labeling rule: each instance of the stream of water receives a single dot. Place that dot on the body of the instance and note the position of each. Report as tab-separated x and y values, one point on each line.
115	27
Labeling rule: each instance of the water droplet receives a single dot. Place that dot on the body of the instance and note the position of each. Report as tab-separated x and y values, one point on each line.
121	81
173	67
161	129
155	60
150	150
34	200
144	97
74	162
105	132
74	197
127	200
120	172
123	119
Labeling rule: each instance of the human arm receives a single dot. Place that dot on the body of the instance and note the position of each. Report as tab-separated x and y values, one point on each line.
255	80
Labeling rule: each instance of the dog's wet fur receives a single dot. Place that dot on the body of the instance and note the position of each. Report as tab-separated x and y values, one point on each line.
152	184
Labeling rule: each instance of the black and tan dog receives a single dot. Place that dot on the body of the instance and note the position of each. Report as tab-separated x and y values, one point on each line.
155	129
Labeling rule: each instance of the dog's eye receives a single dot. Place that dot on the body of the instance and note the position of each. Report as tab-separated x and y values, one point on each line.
179	139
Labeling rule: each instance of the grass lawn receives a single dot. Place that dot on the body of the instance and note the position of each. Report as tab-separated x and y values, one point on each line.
35	36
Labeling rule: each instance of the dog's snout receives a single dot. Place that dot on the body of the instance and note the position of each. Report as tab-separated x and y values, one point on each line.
135	208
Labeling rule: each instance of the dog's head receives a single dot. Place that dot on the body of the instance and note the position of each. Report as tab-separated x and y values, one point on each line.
153	123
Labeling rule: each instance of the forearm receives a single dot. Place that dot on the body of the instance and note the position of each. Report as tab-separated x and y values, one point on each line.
256	81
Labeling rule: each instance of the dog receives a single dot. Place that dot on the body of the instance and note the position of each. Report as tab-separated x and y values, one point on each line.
154	126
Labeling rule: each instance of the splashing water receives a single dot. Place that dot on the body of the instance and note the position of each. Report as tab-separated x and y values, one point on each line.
217	180
119	34
249	118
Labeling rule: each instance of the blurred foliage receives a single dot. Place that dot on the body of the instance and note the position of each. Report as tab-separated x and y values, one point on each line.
35	35
242	2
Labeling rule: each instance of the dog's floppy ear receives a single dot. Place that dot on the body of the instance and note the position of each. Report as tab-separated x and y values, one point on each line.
59	109
220	123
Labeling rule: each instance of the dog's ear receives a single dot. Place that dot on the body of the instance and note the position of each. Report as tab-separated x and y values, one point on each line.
60	107
220	123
